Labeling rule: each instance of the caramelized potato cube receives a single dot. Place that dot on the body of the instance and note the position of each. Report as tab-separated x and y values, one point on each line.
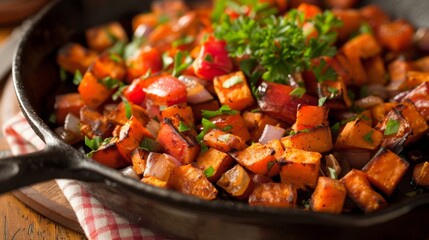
214	161
308	117
258	159
237	182
415	78
385	170
317	139
138	160
65	104
360	191
191	180
396	130
300	168
379	111
109	65
375	70
109	155
274	195
396	35
233	124
130	137
352	20
233	90
421	174
223	141
94	124
329	196
119	114
277	146
420	97
74	57
154	182
212	105
358	134
93	92
182	110
255	123
102	37
417	123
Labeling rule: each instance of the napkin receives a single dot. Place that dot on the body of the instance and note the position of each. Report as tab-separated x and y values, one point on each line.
97	221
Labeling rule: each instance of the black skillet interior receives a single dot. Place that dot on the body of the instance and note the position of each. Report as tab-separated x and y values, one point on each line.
36	80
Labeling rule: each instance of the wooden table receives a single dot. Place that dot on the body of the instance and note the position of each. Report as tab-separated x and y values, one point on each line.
18	221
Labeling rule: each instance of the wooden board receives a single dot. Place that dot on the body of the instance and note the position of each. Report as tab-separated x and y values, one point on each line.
45	198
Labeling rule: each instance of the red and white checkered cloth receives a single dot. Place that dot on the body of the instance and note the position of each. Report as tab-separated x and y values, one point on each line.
97	221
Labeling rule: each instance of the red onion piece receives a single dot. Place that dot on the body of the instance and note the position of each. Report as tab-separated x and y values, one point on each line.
421	39
129	172
271	132
356	158
72	124
67	136
196	92
160	166
378	90
368	102
153	127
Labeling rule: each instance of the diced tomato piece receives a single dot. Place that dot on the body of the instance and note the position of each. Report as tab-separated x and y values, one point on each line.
212	60
134	93
164	90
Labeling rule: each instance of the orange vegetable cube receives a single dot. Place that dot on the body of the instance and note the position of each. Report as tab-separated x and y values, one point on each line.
237	182
233	90
385	170
317	139
421	174
102	37
309	10
329	196
138	160
223	141
277	146
396	35
109	65
300	168
65	104
94	124
74	57
379	111
154	182
274	195
233	124
109	155
93	92
358	134
255	123
352	20
182	110
258	159
375	70
160	166
420	97
360	191
191	180
212	105
415	78
214	163
119	114
308	117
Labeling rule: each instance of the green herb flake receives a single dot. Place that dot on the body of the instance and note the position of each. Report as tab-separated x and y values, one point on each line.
227	128
322	101
368	137
224	109
118	92
111	83
306	203
150	145
128	110
112	38
207	127
232	81
118	50
208	58
297	92
209	171
94	143
115	57
392	127
182	60
183	127
324	72
270	165
77	77
166	61
332	173
335	128
63	74
183	41
333	92
364	91
223	137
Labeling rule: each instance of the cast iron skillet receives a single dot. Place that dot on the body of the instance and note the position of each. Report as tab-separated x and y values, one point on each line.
36	81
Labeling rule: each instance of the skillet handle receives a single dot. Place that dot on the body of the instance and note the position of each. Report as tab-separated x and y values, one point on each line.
50	163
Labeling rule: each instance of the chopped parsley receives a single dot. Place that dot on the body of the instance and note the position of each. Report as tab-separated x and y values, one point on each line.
111	83
368	137
128	110
322	101
332	173
208	58
209	171
270	165
182	60
324	72
207	127
77	77
115	57
63	74
150	145
232	81
224	109
183	127
183	41
227	128
94	143
297	92
392	127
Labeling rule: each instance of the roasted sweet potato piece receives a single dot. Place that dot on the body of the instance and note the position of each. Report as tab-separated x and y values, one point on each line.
102	37
74	57
385	170
94	124
352	20
360	191
142	61
417	123
182	110
317	139
233	124
233	90
308	117
340	4
258	159
336	94
130	137
212	105
154	182
191	180
300	168
274	195
109	155
93	92
422	64
379	111
374	15
277	146
421	174
396	35
223	141
375	70
138	159
237	182
109	65
358	134
214	163
329	196
398	70
65	104
420	97
255	123
181	145
119	114
415	78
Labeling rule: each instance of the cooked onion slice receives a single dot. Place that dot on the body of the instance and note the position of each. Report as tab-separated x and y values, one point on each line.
72	124
196	92
367	102
160	165
271	132
128	171
67	136
153	127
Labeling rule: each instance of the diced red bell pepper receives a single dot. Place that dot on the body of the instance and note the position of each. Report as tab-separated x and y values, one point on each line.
134	93
164	90
212	60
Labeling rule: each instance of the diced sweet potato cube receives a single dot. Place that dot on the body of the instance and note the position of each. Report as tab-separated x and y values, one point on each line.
74	57
119	114
396	35
421	174
308	117
374	15
233	90
233	124
317	139
212	105
237	182
395	129
309	10
358	134
160	166
138	160
94	124
274	195
130	137
422	64
340	4
109	65
352	20
375	70
255	123
360	191
92	91
154	182
223	141
109	155
300	168
181	145
277	146
415	78
379	111
329	196
336	94
420	97
417	123
385	170
102	37
65	104
184	111
398	75
258	159
191	180
215	163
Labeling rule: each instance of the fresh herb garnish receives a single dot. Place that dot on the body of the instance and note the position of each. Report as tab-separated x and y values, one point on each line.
53	118
223	137
118	92
183	127
368	137
227	128
77	77
297	92
335	128
115	57
93	143
183	41
270	165
63	74
209	171
111	83
232	81
208	58
322	101
118	48
392	127
133	47
332	173
182	60
150	145
128	110
207	127
324	72
225	109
